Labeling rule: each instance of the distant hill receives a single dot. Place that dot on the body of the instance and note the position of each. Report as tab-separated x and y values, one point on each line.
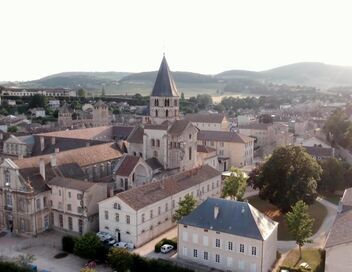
313	74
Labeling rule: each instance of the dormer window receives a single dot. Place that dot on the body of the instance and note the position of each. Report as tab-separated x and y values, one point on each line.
7	178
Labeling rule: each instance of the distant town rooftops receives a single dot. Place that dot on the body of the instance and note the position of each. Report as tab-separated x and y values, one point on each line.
257	126
318	151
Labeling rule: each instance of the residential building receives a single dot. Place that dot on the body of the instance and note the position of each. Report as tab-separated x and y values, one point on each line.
320	153
209	121
233	149
338	245
54	104
37	112
262	133
207	155
140	214
20	146
229	236
74	204
54	92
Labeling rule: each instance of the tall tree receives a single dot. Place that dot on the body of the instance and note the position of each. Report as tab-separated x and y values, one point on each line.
300	224
288	176
204	100
186	206
81	92
333	175
235	184
87	246
37	101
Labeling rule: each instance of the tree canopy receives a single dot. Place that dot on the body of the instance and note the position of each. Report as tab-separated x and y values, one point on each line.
37	101
87	246
339	128
186	206
333	176
235	184
300	224
288	176
120	259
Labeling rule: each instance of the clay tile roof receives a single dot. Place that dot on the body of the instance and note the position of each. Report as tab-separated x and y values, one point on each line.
126	165
71	183
178	127
136	136
205	117
164	83
64	108
224	136
205	149
95	133
258	126
142	196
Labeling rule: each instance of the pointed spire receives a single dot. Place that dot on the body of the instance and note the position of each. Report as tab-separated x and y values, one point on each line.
164	83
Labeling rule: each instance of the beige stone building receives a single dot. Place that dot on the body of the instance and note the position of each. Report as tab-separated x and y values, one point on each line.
142	213
338	245
233	149
20	146
229	236
209	121
74	204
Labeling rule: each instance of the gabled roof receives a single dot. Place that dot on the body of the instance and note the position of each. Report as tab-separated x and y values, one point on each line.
64	108
154	163
145	195
224	136
136	136
164	83
126	165
178	127
234	217
70	183
341	230
205	117
100	103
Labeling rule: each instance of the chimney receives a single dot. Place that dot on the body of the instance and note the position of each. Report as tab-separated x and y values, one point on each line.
42	168
53	140
216	212
41	143
57	150
53	159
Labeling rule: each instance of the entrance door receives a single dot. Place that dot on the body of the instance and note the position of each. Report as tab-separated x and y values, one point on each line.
224	165
46	222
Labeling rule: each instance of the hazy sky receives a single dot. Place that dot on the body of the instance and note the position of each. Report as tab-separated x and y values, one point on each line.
38	38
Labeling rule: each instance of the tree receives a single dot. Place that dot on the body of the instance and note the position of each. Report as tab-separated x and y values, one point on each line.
186	206
37	101
339	127
12	129
204	100
288	176
333	175
120	259
87	269
235	184
300	224
219	108
266	119
87	246
182	96
25	260
81	93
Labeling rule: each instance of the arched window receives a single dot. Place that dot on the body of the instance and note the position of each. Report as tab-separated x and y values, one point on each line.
158	143
167	113
156	113
153	142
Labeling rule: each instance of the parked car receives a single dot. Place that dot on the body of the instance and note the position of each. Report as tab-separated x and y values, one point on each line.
110	241
122	245
166	248
103	236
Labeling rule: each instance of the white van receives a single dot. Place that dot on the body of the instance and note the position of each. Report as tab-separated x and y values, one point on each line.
166	248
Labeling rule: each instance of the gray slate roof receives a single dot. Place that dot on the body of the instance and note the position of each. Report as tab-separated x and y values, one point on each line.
164	83
235	217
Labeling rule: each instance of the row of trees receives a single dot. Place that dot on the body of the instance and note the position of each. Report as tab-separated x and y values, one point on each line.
339	129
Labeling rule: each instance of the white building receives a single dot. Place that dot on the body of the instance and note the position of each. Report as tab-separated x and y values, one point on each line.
143	213
229	236
209	121
233	149
74	204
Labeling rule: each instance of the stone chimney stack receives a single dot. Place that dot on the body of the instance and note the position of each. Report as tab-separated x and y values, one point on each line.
53	140
42	168
53	159
42	145
216	212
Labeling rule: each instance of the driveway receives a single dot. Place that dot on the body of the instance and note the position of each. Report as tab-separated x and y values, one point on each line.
44	247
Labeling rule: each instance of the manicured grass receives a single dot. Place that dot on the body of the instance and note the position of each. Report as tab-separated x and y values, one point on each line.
317	211
312	256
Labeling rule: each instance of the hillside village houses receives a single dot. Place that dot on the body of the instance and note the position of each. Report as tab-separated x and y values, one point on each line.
56	179
229	236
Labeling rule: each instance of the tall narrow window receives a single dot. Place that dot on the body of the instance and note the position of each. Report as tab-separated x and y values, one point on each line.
156	113
190	153
167	113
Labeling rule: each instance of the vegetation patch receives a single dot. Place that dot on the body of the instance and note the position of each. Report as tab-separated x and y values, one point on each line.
316	211
315	258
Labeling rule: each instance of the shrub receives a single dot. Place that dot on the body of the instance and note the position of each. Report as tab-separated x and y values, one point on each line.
163	242
120	259
87	246
12	267
68	243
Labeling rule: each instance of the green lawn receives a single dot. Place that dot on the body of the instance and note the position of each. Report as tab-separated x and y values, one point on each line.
335	199
312	256
317	211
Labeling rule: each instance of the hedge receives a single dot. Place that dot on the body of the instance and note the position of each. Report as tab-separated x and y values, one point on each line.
68	243
12	267
163	242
